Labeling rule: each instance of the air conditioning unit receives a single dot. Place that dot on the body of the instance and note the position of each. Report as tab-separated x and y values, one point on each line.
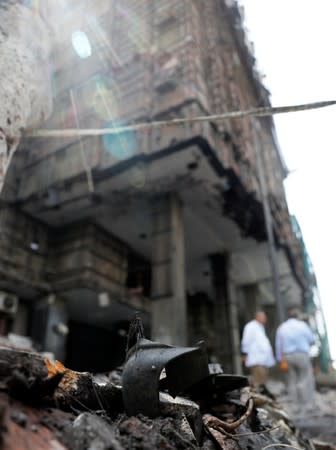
8	303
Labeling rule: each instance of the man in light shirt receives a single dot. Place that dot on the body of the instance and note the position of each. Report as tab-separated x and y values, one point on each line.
293	341
257	349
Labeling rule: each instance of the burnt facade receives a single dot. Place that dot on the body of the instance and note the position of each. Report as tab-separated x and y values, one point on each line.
167	221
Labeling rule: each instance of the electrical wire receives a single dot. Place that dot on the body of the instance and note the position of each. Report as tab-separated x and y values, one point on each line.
256	112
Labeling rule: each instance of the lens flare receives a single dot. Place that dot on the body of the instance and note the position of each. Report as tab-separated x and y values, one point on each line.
121	145
81	44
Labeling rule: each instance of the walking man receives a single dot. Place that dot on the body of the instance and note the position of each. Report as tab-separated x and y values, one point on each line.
257	349
292	342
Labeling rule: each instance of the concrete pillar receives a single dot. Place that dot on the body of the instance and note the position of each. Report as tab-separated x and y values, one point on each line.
235	333
272	321
200	319
20	324
169	307
226	324
252	301
50	326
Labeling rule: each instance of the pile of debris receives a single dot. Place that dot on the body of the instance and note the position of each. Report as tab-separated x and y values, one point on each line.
166	398
319	422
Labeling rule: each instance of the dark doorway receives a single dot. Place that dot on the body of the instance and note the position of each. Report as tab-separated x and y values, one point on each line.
94	349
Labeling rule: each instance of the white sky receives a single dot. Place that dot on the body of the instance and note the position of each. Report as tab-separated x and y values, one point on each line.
295	43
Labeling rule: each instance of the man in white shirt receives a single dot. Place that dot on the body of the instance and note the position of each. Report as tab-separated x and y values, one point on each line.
257	349
293	341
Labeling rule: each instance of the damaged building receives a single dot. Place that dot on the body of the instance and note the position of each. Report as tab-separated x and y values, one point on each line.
166	221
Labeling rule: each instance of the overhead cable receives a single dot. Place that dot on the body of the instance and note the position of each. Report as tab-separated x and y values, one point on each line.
256	112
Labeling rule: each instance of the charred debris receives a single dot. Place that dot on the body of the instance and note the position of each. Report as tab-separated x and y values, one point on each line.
163	397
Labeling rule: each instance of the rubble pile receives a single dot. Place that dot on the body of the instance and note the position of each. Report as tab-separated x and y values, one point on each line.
163	397
44	405
320	423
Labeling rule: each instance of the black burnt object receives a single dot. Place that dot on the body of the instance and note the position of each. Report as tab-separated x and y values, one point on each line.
212	390
184	368
152	367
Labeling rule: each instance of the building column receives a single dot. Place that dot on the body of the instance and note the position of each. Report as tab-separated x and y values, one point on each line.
272	322
235	333
226	324
49	327
252	301
169	305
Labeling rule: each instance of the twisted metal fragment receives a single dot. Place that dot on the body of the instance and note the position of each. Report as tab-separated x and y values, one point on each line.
214	422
